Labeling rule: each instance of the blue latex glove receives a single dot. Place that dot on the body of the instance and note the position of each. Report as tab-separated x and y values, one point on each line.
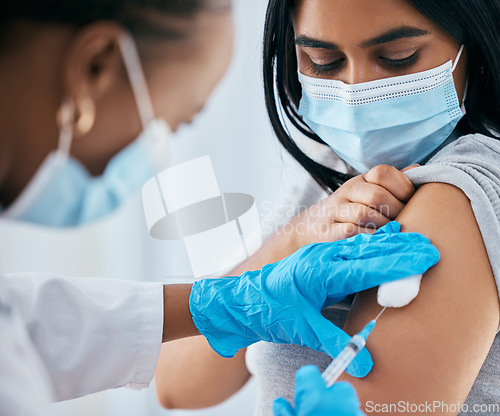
282	303
313	398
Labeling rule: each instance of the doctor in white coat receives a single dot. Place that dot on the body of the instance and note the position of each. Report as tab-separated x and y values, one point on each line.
91	92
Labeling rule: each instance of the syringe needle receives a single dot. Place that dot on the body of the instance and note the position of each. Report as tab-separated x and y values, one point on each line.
381	312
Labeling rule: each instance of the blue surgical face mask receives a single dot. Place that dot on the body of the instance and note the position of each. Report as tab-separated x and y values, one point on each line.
397	121
62	193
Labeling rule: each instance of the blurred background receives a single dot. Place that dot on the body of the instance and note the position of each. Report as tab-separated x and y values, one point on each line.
234	131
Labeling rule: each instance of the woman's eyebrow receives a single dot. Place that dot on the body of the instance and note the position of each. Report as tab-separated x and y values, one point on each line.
395	34
389	36
308	42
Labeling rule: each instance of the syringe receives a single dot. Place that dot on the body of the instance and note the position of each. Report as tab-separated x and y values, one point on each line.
342	361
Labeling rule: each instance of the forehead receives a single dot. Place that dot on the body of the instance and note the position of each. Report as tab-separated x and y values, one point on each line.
355	20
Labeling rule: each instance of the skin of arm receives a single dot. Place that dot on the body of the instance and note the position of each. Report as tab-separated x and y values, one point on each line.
432	349
177	320
189	373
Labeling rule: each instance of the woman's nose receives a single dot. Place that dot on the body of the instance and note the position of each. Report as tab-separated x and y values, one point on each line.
357	72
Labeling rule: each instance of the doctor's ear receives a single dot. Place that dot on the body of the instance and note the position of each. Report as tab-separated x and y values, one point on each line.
92	68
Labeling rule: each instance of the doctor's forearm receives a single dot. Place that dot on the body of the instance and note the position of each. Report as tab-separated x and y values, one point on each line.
177	319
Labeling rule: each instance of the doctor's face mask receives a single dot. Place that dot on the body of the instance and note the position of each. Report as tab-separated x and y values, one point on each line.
62	192
397	121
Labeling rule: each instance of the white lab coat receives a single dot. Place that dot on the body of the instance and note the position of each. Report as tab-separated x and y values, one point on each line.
64	338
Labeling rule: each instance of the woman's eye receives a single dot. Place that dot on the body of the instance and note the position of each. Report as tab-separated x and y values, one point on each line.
321	69
400	63
317	69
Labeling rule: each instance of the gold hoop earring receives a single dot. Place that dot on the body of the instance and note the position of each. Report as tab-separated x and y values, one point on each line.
86	116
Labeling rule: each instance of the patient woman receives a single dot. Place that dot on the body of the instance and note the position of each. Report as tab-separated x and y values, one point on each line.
380	85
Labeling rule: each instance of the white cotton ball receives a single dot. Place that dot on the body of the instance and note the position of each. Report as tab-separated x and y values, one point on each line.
399	293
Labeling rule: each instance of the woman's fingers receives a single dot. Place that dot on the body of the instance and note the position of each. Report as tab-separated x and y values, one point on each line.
348	229
357	214
391	179
361	215
340	231
376	197
416	165
361	205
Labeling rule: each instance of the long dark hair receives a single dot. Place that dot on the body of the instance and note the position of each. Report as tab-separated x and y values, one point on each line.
134	15
473	23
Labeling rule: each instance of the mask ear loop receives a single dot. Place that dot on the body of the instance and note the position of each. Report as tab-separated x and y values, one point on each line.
137	79
65	118
157	143
462	106
457	59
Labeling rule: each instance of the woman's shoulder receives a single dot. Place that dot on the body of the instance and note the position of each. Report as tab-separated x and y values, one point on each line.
468	162
471	164
470	149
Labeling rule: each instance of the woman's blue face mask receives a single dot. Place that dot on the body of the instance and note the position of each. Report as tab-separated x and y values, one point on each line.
397	121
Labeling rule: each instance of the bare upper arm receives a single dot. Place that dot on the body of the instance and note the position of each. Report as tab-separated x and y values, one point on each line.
433	348
190	375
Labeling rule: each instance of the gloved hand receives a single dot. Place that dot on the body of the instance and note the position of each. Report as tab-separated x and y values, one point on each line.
313	398
282	303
